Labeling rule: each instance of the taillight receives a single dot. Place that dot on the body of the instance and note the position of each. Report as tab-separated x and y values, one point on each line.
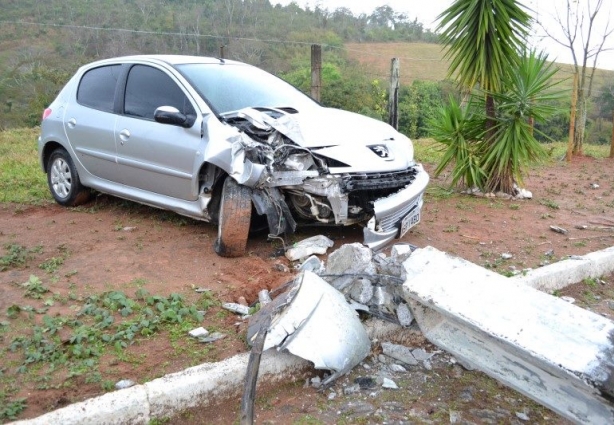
46	113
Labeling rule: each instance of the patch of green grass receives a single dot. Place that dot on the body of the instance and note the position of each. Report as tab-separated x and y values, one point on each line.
10	409
22	179
52	264
549	203
590	281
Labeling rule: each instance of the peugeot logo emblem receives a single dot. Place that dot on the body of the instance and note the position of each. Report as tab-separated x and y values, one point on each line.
382	151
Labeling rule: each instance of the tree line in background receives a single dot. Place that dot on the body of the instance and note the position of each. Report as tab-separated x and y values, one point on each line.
36	60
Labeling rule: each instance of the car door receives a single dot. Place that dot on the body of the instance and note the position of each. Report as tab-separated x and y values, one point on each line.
89	122
152	156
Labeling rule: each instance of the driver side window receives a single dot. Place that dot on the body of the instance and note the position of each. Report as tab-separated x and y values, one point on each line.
149	88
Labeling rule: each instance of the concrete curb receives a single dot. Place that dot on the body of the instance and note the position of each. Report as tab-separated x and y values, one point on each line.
196	386
563	273
201	384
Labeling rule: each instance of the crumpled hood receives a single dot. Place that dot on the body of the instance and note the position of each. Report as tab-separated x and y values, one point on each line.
363	144
355	140
327	127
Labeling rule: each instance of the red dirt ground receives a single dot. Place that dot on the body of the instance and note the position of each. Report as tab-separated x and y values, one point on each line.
113	244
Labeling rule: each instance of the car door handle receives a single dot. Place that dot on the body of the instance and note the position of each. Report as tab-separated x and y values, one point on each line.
124	135
71	123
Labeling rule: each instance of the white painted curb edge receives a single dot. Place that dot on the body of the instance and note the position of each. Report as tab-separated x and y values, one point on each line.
573	270
196	386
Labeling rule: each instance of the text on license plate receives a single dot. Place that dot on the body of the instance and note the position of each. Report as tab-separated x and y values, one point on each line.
409	221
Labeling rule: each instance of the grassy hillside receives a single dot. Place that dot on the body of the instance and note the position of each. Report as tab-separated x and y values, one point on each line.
424	61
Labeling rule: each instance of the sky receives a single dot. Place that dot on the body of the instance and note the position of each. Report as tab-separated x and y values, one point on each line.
426	11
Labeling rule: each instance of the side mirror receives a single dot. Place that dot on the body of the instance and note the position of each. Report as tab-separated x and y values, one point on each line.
171	115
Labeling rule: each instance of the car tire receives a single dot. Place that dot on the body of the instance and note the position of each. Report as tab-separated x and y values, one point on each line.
63	180
233	220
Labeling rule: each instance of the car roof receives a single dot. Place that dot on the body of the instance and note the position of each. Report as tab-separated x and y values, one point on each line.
164	59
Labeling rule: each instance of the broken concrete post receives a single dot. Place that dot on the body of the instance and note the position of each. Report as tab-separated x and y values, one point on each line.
552	351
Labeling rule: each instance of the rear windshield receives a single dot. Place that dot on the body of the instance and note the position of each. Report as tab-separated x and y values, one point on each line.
230	87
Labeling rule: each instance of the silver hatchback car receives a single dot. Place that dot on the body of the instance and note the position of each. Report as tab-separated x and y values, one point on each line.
225	142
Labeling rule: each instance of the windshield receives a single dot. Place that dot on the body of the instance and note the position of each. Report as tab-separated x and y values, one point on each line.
230	87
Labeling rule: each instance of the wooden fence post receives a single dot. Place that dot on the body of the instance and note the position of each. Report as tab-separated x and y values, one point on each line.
316	71
572	117
393	96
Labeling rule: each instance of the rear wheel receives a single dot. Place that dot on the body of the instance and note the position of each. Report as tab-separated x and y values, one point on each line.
234	219
63	180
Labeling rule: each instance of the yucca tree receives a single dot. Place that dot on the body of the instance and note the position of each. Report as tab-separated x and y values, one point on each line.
526	95
483	38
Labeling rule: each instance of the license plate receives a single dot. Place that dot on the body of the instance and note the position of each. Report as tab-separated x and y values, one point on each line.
409	221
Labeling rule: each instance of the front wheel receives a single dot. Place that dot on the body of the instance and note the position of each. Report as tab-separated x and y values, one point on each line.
234	219
63	180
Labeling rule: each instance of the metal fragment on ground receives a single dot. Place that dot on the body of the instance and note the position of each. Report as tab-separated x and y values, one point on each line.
319	325
314	245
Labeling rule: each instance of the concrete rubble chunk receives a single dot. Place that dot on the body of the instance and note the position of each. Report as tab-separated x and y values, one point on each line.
236	308
421	355
361	290
314	245
312	264
404	315
400	252
390	384
397	368
124	383
350	260
215	336
198	332
399	352
383	300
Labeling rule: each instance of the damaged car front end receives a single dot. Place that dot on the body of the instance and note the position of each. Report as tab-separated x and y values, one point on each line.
294	179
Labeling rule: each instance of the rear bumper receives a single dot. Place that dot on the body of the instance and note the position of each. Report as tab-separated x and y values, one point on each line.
385	225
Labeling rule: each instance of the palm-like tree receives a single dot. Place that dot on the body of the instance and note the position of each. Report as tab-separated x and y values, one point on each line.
485	41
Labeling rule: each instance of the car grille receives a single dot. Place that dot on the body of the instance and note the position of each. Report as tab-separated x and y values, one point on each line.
365	189
380	181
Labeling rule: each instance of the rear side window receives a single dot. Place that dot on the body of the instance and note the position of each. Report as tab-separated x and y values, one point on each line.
97	87
149	88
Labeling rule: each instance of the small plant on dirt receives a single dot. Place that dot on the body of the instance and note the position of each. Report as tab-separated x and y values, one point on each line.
51	265
451	229
550	204
514	207
9	410
590	281
17	256
34	288
73	346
